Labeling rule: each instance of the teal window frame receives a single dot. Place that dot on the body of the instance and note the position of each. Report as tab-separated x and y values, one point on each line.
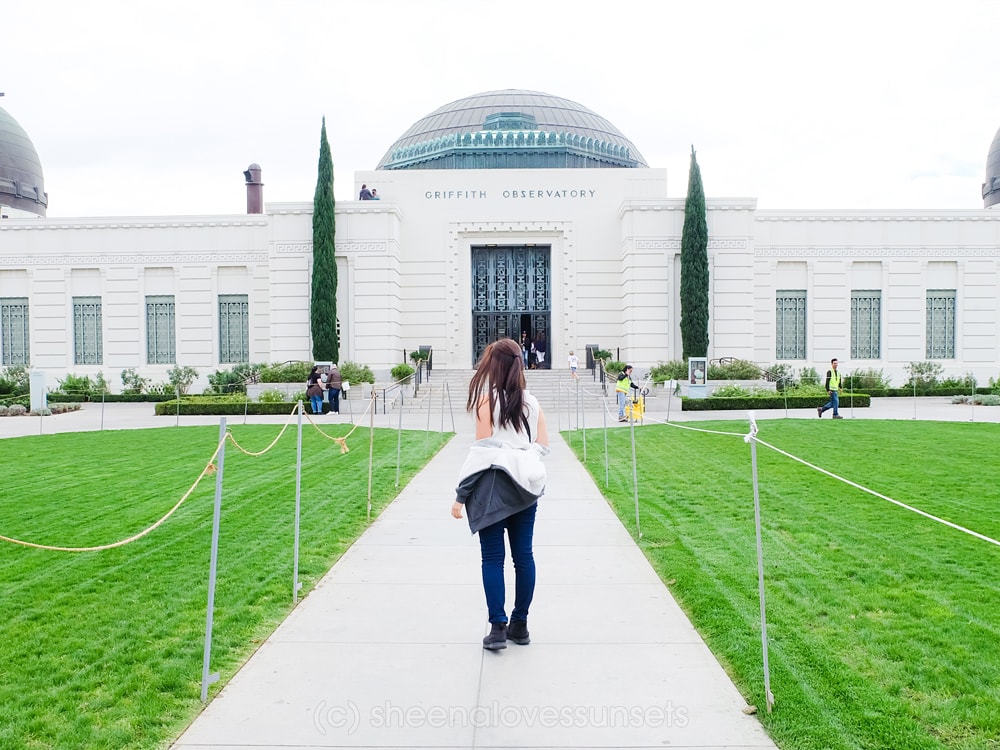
941	306
866	324
234	328
15	331
161	330
790	323
88	331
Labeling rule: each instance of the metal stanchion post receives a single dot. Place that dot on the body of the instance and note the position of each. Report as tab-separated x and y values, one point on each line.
298	508
635	477
399	435
220	462
751	438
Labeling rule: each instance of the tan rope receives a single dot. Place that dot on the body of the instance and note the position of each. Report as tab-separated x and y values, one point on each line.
273	442
210	468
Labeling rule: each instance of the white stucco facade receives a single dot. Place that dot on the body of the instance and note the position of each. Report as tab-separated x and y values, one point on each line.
406	277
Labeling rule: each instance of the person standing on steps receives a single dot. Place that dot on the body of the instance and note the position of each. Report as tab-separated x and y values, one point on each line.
832	385
500	483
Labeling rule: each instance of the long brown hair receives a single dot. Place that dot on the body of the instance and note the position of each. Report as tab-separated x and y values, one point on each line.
500	373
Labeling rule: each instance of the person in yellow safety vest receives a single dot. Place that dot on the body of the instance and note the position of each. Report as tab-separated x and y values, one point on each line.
621	388
832	386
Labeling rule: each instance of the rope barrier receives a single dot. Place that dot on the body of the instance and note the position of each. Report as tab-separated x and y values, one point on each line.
210	468
273	442
830	474
879	495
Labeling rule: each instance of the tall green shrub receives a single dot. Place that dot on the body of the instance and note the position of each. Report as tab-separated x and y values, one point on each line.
694	268
323	307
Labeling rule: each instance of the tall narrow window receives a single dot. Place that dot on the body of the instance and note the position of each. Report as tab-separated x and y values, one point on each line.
161	348
940	324
790	328
234	328
866	323
14	349
88	348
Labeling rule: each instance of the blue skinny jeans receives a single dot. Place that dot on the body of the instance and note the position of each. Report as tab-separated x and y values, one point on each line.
520	530
316	402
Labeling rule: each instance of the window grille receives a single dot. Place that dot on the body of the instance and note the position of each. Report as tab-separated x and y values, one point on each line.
790	324
14	338
866	324
940	324
161	346
234	328
88	348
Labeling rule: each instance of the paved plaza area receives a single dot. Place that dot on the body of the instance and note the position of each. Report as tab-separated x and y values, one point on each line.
385	652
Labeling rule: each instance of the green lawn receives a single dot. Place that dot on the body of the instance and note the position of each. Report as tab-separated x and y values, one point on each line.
104	649
884	626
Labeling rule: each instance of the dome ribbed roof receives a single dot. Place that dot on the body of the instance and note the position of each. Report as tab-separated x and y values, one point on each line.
991	188
21	183
534	121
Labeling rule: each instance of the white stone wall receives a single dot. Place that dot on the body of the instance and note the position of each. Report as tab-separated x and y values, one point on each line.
905	254
404	267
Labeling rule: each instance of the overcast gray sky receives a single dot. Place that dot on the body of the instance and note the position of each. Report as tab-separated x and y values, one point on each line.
153	108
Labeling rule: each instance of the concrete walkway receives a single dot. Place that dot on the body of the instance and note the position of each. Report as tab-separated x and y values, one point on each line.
385	652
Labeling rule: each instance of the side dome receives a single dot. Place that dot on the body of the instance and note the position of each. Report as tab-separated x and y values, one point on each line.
991	188
21	184
512	129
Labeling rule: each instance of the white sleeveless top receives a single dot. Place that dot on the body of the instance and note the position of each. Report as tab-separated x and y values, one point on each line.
511	438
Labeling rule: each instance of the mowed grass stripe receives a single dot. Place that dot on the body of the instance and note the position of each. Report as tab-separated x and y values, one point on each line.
882	623
103	649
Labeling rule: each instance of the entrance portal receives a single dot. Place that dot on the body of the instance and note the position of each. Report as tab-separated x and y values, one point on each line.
511	295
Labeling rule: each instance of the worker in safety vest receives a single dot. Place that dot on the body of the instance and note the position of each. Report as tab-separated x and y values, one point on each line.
621	389
832	385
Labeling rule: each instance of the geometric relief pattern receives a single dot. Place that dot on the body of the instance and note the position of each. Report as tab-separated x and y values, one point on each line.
866	323
87	331
940	324
14	336
790	324
161	348
511	293
234	328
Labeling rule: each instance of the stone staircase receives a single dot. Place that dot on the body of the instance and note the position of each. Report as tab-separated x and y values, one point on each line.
553	389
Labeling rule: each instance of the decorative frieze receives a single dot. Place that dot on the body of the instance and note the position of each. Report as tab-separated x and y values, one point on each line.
379	247
676	244
169	259
877	252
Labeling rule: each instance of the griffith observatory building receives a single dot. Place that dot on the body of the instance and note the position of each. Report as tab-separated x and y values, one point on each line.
501	213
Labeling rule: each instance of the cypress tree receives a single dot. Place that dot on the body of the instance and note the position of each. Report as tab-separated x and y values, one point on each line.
694	268
323	309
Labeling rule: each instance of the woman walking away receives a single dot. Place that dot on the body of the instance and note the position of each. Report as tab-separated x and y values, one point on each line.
500	483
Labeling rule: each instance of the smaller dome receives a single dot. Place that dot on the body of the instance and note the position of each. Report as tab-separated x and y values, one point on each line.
991	188
21	184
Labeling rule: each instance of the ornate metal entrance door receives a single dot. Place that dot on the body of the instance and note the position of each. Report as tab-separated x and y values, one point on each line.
511	294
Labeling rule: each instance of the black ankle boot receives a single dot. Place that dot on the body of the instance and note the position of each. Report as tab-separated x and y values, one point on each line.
497	639
517	631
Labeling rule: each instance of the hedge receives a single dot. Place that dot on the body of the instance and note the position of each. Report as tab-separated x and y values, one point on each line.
744	403
205	406
903	391
56	397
